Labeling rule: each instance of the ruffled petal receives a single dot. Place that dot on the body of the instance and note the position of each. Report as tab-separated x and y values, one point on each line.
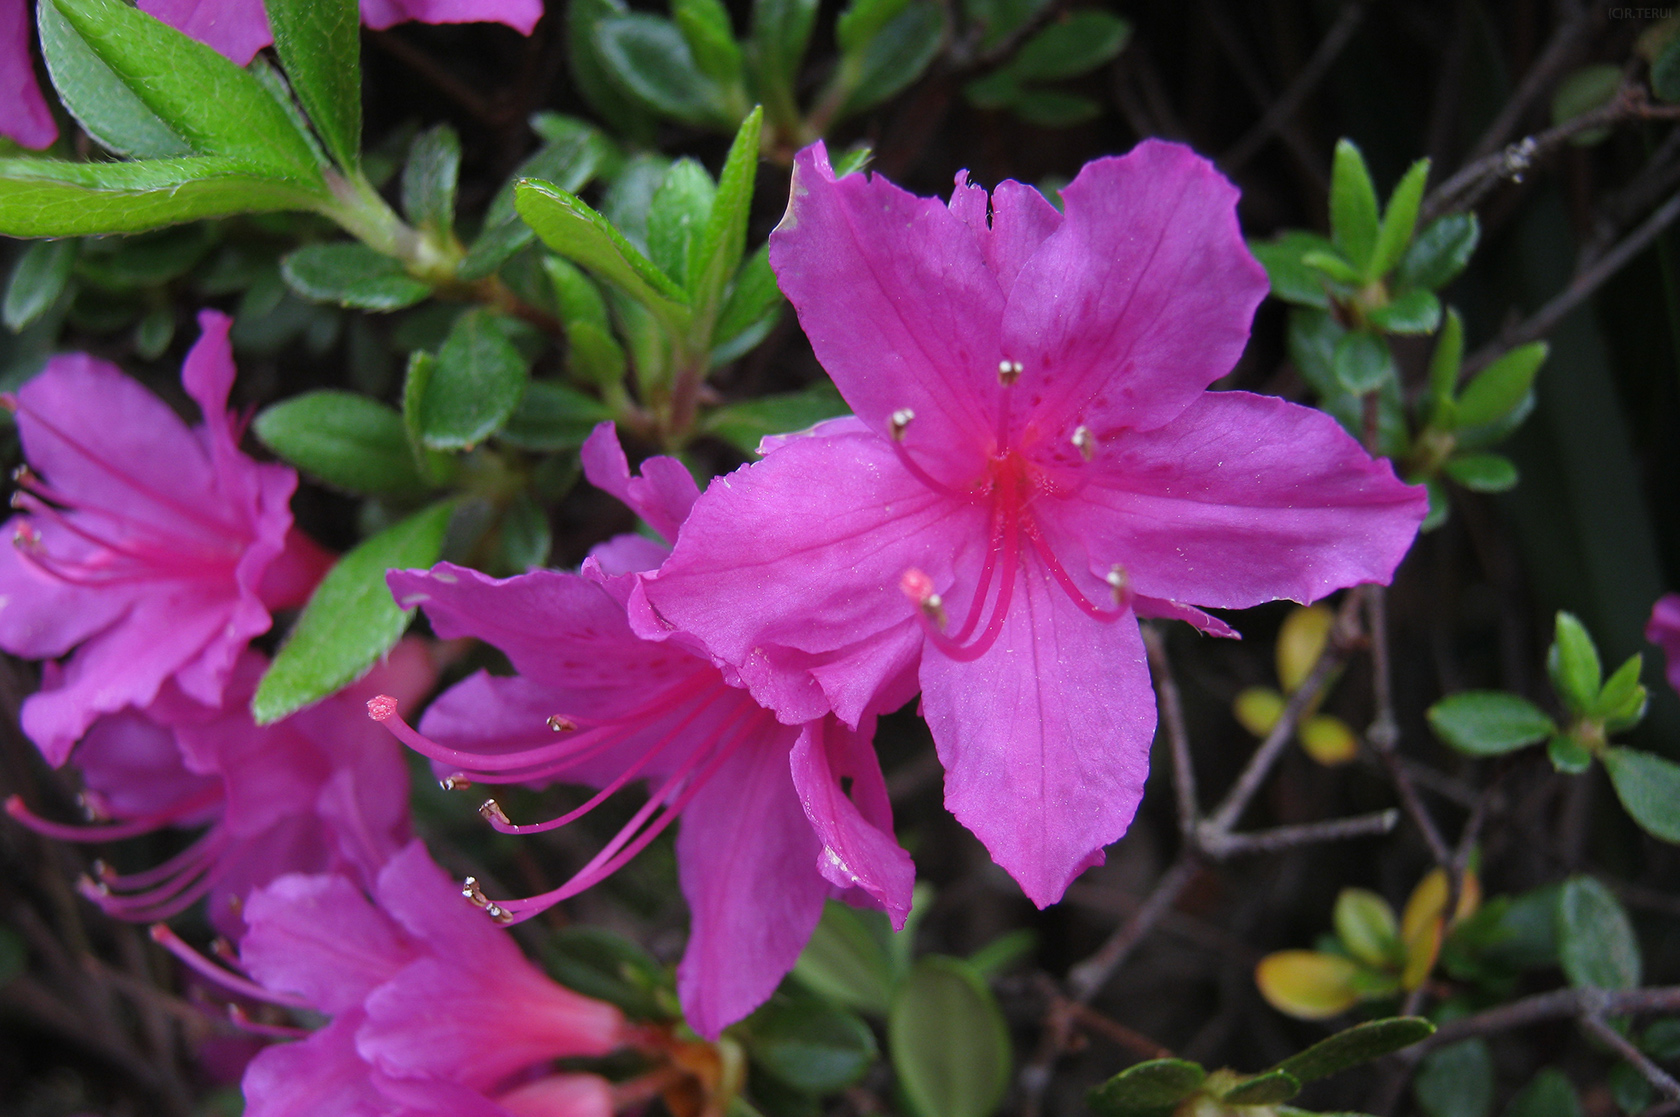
1010	224
319	937
1045	738
314	1077
661	495
43	617
521	15
135	766
854	825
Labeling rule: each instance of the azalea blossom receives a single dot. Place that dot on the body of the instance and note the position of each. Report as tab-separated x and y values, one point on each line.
321	790
146	550
1663	630
24	115
239	28
767	833
1035	462
433	1009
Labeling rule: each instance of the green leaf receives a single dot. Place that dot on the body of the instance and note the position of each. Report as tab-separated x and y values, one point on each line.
594	78
1456	1080
781	30
351	619
1548	1094
1052	108
1568	754
1596	944
1444	364
1358	1044
1270	1088
1582	91
1004	953
650	58
862	20
1362	362
594	356
853	159
429	177
216	107
1333	265
583	236
1661	1040
712	263
494	247
1621	702
1416	311
551	417
1488	722
597	963
706	28
102	103
1144	1088
1365	924
155	332
478	381
1293	281
1068	47
894	57
349	273
1501	387
1572	662
1665	72
753	304
573	153
320	45
1440	252
1649	788
51	198
1483	473
999	17
524	538
1353	207
744	425
1440	505
347	440
847	959
38	279
1399	220
809	1045
949	1043
1313	336
677	216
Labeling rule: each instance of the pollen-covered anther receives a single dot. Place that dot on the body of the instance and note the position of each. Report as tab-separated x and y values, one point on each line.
381	707
491	811
561	724
1119	585
498	914
471	890
899	420
101	870
1009	372
1085	442
918	587
26	536
455	781
87	886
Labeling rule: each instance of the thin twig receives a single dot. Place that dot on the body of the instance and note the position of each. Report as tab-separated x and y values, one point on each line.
1559	1004
1276	838
1535	82
1178	738
1088	977
1384	733
1617	1042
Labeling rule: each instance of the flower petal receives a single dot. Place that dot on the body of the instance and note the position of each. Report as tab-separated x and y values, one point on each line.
316	1076
661	495
43	617
1045	738
236	28
1663	630
1137	302
1010	224
521	15
24	115
318	936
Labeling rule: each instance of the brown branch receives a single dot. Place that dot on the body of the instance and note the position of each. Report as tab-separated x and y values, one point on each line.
1178	737
1088	977
1277	838
1617	1042
1559	50
1559	1004
1384	733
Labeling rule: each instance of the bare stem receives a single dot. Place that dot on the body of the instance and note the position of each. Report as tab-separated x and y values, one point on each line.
1617	1042
1172	717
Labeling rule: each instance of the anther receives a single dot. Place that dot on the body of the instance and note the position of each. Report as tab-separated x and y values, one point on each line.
1009	372
491	811
455	782
93	806
26	536
381	707
918	587
101	870
87	886
498	914
21	475
1085	442
1120	585
899	420
561	724
471	890
224	950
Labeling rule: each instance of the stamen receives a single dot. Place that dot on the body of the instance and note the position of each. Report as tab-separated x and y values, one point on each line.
457	781
232	982
105	832
1009	372
899	420
491	811
1085	442
562	724
242	1020
1121	585
381	707
918	587
1065	580
968	653
475	894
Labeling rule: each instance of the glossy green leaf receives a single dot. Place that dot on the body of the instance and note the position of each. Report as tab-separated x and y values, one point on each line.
351	619
1483	473
1456	1080
600	964
1572	662
1444	364
1502	386
593	77
1580	92
51	198
1548	1094
1488	722
1292	280
1596	943
524	538
714	259
346	440
102	103
753	305
1362	362
847	959
477	382
1365	924
1649	788
781	30
862	20
808	1044
1399	220
1353	207
551	417
594	356
743	425
1270	1088
1358	1044
37	280
1621	701
1416	311
949	1043
1145	1088
212	104
494	247
650	58
706	28
583	236
1068	47
1440	505
1054	108
574	152
429	177
1439	252
1568	754
894	57
1004	953
349	273
320	45
677	217
155	332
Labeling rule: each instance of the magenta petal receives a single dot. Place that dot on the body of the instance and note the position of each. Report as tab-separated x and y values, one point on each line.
1010	224
1156	607
858	847
1138	301
747	860
521	15
135	766
1244	499
236	28
314	1077
24	115
1663	630
1045	738
861	250
662	495
43	617
319	937
560	1095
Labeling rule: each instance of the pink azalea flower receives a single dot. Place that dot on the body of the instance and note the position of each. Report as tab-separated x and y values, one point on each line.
239	28
1035	462
154	550
434	1010
767	832
321	790
24	115
1664	631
